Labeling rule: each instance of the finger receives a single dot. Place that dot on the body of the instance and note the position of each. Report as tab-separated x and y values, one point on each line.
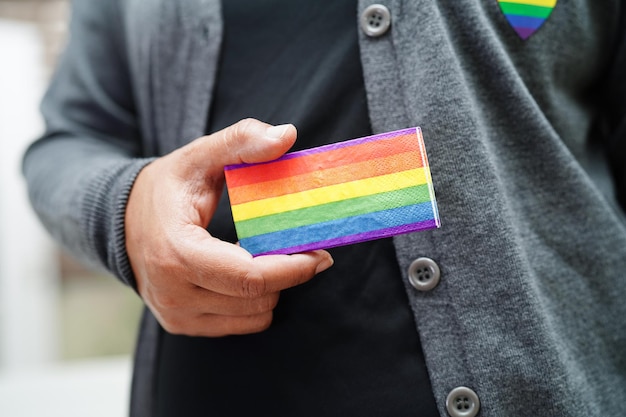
246	141
214	325
230	270
196	300
285	271
235	306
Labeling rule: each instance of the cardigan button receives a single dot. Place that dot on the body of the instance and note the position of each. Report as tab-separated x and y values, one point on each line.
375	20
462	402
424	274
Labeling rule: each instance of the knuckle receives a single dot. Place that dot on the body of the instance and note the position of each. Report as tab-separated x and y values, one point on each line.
262	305
269	303
260	322
165	301
239	132
253	285
164	263
173	325
243	130
244	126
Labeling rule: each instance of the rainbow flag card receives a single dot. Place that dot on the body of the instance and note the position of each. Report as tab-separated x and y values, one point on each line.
348	192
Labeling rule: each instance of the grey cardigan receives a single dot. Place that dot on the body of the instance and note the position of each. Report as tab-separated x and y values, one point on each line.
530	310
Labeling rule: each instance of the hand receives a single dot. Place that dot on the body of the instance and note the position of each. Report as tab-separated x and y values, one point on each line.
193	283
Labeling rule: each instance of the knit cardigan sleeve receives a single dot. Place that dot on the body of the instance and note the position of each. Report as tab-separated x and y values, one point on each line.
80	172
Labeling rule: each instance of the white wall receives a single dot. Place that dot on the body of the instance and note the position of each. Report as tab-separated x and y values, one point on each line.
28	269
32	380
94	388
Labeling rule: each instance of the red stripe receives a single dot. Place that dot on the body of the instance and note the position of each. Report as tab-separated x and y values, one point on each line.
326	177
277	170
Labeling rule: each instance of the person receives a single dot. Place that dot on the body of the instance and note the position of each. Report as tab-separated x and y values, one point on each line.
514	307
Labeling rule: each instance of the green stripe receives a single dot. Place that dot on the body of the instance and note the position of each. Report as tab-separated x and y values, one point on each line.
526	10
332	211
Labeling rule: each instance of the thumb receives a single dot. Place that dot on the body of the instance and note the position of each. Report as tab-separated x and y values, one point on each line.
248	141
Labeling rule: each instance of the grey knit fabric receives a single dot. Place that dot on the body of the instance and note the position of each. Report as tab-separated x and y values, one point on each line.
529	312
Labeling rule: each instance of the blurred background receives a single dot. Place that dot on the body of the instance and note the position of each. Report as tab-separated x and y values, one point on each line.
66	333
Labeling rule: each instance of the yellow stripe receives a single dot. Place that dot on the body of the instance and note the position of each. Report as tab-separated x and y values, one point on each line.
330	194
543	3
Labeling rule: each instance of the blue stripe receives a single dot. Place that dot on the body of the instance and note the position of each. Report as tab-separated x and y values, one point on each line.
337	228
525	21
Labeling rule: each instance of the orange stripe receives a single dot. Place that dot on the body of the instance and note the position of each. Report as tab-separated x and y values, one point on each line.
345	173
322	160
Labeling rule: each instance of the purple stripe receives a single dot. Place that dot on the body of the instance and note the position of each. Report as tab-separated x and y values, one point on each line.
332	146
357	238
524	33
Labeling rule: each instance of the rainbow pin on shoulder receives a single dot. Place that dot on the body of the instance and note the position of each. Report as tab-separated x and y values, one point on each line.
334	195
526	16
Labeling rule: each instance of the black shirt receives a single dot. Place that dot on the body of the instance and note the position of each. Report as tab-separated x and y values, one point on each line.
345	343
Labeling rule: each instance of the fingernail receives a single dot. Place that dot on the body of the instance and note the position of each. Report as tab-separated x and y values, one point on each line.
277	132
326	263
